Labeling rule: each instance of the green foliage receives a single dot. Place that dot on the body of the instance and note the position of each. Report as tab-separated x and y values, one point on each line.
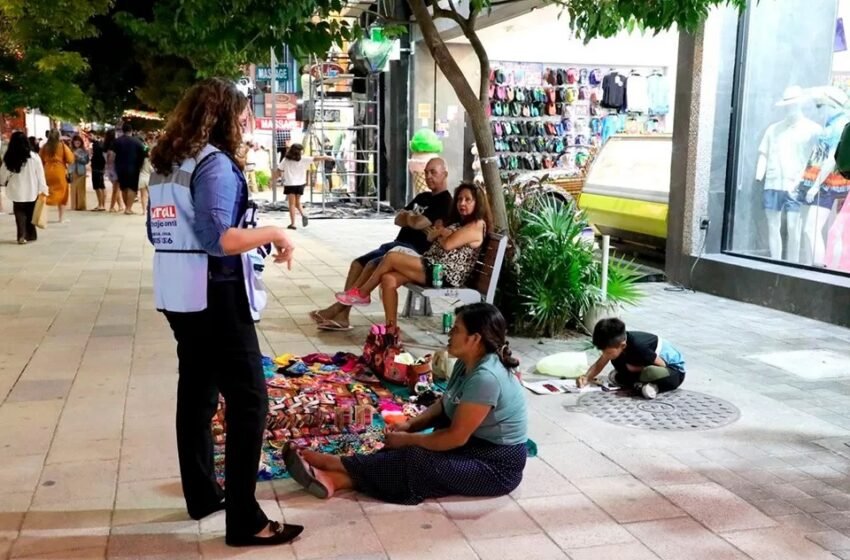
263	180
220	37
553	276
166	79
590	19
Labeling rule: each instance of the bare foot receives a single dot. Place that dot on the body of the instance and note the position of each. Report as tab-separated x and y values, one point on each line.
325	315
325	480
318	460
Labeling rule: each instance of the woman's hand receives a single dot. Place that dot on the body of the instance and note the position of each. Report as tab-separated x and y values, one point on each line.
444	233
397	440
402	427
284	247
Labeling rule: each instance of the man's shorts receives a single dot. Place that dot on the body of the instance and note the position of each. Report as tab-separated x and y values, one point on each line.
97	180
128	181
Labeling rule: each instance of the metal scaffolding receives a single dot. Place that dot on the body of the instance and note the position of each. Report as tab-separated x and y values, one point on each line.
344	105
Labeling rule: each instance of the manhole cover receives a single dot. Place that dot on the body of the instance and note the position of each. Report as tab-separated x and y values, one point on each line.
679	410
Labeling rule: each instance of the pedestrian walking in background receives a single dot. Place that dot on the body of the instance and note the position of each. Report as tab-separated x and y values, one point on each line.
56	157
129	157
116	203
23	175
145	174
251	166
33	141
294	167
98	172
78	173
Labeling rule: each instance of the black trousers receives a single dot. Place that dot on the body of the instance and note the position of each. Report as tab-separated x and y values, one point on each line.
218	351
23	220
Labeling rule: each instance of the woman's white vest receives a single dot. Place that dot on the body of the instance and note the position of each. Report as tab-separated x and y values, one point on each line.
180	264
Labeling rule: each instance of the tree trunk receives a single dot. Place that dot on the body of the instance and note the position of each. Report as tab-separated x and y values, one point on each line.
473	104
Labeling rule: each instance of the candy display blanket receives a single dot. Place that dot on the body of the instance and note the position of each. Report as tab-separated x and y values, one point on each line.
329	403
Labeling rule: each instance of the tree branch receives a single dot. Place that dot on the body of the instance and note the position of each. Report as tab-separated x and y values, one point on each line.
467	27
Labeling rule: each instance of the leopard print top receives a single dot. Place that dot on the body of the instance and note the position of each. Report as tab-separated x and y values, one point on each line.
457	263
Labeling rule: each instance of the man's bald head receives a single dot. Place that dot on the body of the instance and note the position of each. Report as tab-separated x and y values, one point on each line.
436	175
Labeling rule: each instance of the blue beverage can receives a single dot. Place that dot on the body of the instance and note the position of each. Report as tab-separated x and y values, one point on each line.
437	275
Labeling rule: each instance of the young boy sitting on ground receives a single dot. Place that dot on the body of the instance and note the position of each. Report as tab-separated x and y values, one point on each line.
642	361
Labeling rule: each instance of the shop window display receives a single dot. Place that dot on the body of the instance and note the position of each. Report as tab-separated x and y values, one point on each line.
788	200
553	118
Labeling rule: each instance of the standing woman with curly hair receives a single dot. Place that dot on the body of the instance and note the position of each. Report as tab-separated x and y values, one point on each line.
198	207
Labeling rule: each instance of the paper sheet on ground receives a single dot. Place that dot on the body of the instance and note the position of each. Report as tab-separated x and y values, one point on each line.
556	386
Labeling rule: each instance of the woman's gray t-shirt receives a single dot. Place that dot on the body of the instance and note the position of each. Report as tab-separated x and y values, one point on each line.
491	384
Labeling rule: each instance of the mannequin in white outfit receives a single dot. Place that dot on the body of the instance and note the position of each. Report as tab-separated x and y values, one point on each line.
783	154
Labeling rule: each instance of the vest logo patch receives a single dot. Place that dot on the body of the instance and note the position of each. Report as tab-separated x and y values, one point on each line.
164	212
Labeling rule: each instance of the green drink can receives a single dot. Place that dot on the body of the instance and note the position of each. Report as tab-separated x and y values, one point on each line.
448	321
437	275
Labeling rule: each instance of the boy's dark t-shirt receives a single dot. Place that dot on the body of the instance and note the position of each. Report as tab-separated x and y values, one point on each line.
643	348
432	206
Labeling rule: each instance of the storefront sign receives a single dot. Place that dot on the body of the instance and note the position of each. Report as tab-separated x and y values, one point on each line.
266	123
326	69
264	73
327	115
285	107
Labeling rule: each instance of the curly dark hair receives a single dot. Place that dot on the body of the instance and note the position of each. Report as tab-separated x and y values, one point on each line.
208	114
17	153
482	206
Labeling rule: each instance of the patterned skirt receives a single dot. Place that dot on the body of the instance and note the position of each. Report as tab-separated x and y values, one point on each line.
412	474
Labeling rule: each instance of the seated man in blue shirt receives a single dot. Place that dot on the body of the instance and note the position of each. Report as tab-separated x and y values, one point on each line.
642	361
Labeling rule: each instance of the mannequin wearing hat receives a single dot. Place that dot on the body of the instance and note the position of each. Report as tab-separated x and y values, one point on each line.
783	154
821	185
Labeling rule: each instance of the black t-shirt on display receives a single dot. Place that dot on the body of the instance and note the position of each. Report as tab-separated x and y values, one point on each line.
641	350
614	91
432	206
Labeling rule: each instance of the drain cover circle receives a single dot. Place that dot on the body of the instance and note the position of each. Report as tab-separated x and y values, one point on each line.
679	410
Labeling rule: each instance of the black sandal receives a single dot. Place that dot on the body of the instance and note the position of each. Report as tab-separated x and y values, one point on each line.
303	474
283	533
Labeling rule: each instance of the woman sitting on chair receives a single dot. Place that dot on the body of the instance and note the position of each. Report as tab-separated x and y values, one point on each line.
455	248
477	448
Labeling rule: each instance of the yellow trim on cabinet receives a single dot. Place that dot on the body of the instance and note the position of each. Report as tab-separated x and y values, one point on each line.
638	216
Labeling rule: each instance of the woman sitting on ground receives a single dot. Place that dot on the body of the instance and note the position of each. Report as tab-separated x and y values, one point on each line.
455	248
477	447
